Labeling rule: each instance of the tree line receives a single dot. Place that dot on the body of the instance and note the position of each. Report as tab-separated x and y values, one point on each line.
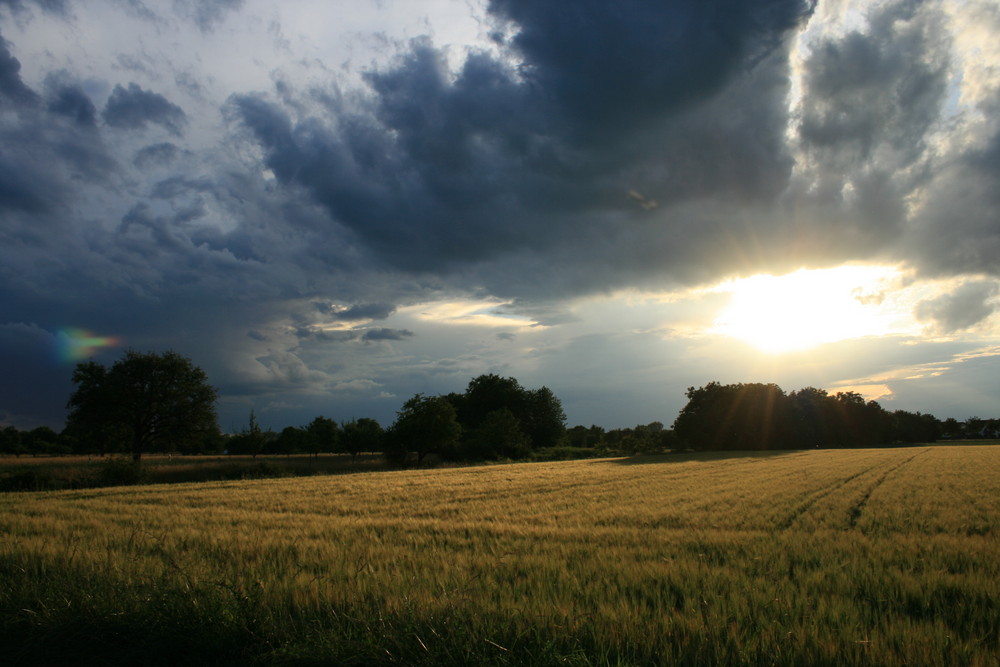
494	418
762	416
149	402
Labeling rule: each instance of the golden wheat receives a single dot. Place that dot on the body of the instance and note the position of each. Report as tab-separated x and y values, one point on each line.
880	556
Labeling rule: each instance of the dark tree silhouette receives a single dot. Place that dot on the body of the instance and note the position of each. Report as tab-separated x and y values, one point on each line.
543	421
361	435
425	425
758	416
498	436
915	427
291	440
251	440
11	442
735	416
488	393
149	400
323	435
536	414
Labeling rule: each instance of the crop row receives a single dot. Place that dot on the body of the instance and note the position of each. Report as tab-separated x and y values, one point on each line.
822	557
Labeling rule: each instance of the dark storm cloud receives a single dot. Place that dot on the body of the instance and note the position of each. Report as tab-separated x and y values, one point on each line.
599	145
871	101
385	334
630	61
155	155
70	101
161	265
175	186
45	149
305	333
19	189
965	307
364	334
183	250
955	230
12	88
133	108
881	89
533	162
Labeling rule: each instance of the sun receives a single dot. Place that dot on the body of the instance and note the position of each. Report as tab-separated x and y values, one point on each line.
807	308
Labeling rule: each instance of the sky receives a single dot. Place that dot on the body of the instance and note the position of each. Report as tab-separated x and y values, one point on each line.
332	206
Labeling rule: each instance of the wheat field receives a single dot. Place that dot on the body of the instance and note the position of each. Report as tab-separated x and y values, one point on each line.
882	557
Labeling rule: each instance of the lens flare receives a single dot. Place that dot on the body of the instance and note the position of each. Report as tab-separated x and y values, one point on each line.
78	344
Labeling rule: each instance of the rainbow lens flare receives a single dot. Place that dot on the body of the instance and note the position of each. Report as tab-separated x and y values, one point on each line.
78	344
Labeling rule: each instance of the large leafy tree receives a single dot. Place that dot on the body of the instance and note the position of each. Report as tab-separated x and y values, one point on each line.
361	435
499	436
291	440
323	436
544	421
488	393
537	413
736	416
425	425
149	400
12	442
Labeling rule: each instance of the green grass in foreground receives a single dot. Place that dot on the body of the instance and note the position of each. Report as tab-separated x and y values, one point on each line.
882	557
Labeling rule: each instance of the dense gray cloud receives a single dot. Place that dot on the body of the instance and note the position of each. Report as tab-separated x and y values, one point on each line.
383	333
17	189
69	100
155	154
871	101
967	306
522	161
134	108
955	230
874	106
41	153
12	88
615	65
262	223
876	92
